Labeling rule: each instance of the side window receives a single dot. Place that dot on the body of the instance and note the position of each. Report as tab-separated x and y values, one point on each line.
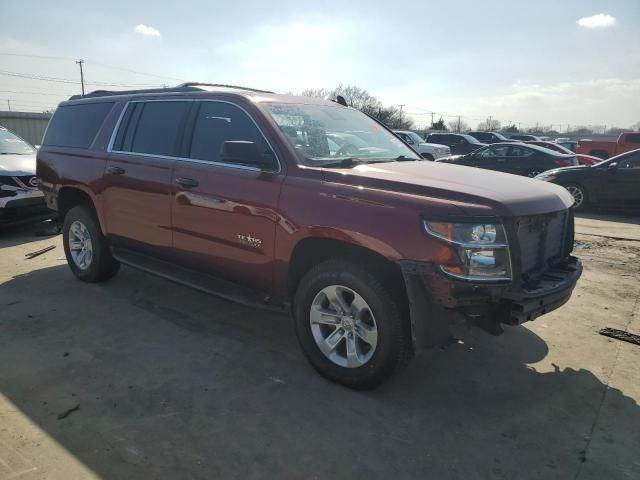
630	161
406	138
76	126
521	151
493	152
632	138
155	127
219	122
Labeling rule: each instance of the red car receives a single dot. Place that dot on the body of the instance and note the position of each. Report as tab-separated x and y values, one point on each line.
582	159
605	149
236	192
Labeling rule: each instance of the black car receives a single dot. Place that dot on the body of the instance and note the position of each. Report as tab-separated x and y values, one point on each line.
460	144
525	138
529	160
489	137
613	183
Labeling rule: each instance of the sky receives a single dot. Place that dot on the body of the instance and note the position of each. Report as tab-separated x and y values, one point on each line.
552	63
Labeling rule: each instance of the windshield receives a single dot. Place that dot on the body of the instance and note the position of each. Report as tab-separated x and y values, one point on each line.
500	136
316	130
471	139
11	144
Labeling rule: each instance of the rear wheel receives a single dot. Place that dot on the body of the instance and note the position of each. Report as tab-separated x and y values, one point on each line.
349	325
85	247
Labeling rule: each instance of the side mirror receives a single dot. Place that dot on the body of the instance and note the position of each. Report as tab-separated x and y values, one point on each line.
246	153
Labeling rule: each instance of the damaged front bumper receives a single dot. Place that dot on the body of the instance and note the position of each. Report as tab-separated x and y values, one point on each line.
434	299
24	206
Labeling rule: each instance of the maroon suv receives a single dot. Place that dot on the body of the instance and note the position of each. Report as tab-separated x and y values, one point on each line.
243	193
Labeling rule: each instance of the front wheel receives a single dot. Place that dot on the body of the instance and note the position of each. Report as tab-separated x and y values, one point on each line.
85	247
579	195
349	325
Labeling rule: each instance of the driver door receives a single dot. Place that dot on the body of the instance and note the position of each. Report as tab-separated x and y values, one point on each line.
492	158
622	184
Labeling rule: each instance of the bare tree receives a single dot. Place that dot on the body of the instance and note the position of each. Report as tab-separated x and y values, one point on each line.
458	125
489	125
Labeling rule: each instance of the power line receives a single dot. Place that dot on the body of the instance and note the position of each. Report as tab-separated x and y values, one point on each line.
72	82
100	64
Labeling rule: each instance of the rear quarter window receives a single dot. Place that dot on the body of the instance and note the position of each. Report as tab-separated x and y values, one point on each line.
76	126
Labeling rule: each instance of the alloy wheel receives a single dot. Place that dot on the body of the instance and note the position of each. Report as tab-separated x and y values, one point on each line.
80	245
343	326
577	194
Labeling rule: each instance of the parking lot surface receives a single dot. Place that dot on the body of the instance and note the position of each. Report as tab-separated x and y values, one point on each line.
142	378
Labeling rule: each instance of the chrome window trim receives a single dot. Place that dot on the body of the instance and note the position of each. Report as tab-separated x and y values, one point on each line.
193	160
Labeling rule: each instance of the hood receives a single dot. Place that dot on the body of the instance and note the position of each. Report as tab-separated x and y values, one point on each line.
17	165
433	145
574	169
476	191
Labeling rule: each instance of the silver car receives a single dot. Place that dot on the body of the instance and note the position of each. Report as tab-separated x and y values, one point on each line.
20	199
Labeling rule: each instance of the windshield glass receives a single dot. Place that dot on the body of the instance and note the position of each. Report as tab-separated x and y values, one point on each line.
471	139
500	136
316	130
10	144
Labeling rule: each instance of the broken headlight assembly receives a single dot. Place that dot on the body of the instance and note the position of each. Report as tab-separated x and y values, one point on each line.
476	251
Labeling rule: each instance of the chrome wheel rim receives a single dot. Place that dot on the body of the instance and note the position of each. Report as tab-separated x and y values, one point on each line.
343	326
80	245
578	195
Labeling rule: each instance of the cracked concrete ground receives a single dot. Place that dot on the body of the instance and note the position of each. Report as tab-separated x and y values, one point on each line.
172	383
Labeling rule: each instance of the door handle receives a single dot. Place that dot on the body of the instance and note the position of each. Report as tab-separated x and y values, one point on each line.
187	182
115	170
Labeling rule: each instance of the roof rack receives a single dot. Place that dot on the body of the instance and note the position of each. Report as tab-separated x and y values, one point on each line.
184	87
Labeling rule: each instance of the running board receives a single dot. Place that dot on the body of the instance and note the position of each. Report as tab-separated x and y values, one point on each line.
199	281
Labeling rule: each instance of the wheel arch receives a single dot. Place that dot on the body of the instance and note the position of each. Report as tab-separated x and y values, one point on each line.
312	250
72	196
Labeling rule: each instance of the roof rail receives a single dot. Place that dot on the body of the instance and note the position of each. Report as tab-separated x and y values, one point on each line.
222	85
184	87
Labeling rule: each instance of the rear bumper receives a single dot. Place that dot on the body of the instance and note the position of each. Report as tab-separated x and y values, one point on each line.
433	297
24	207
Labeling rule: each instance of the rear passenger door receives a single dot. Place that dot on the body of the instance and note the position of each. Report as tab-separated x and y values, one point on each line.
224	213
137	179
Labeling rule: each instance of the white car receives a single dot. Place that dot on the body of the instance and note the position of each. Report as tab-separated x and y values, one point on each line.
429	151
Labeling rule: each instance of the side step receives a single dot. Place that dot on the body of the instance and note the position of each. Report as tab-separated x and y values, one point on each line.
199	281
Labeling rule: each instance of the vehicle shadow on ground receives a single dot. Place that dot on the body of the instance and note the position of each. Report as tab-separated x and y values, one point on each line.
172	383
23	234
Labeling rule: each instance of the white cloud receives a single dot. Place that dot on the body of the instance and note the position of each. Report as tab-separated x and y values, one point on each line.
601	20
147	31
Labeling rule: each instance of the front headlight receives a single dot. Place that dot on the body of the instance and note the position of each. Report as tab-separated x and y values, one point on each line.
481	251
545	177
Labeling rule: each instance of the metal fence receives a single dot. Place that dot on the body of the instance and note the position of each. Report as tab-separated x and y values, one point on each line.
28	125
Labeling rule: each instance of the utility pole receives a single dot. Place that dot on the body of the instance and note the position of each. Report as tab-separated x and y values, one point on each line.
401	106
489	123
458	129
80	62
9	104
432	118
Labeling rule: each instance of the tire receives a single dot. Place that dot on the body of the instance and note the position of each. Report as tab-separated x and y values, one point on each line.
371	365
428	156
81	230
578	191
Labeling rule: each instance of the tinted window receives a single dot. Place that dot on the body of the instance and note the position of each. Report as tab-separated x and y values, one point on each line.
521	152
483	137
76	125
217	123
491	152
439	138
632	138
630	161
158	127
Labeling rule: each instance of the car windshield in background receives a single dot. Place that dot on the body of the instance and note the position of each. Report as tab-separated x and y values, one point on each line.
471	139
13	145
324	134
